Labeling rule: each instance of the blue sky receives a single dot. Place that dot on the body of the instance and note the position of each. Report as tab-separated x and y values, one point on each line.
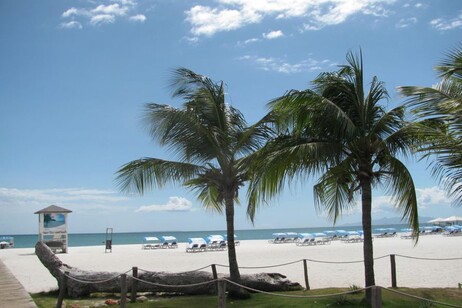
75	76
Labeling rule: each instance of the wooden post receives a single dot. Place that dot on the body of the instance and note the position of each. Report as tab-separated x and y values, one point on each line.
376	300
221	294
305	268
215	276
393	271
134	284
123	290
62	290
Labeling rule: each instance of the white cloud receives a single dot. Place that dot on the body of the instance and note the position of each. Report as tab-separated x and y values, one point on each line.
112	9
273	35
102	19
138	18
252	40
174	204
406	22
234	14
66	197
71	25
445	24
102	14
426	197
282	66
432	196
72	12
207	21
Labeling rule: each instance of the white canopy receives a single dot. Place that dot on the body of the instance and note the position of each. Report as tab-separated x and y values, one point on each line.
453	219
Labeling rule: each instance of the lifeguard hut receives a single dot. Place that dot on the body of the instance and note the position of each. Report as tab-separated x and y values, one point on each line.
53	227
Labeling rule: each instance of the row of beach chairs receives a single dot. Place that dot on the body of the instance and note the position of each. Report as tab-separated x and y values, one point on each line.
165	242
210	243
320	238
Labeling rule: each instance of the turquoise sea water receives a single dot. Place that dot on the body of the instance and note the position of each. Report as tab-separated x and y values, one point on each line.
96	239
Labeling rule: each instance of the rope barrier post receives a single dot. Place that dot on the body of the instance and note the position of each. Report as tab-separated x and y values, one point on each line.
123	290
221	293
305	268
376	300
62	290
393	271
134	284
215	276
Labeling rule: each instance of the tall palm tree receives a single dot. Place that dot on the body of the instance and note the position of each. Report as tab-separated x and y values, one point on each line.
210	139
340	131
440	107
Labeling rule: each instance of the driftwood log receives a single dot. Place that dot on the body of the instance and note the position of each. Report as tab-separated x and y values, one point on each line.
75	286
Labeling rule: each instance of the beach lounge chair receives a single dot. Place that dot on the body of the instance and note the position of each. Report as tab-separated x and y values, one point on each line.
352	237
291	237
6	242
215	242
321	238
169	241
196	244
278	238
305	239
150	242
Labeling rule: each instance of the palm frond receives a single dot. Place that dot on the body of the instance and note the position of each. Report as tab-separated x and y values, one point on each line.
146	173
402	189
335	189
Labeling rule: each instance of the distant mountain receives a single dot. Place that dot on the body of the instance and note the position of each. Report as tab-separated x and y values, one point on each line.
389	221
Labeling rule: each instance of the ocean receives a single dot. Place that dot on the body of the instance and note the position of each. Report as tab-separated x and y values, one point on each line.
97	239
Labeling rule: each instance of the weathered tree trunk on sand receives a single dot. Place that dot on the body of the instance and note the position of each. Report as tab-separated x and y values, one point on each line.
261	281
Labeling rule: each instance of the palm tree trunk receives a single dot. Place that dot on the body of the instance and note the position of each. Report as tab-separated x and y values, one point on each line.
232	258
234	275
368	251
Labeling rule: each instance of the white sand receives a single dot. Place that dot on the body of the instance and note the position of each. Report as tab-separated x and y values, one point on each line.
24	264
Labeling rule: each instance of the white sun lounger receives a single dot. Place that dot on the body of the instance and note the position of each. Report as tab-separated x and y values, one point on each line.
196	244
169	242
215	242
150	242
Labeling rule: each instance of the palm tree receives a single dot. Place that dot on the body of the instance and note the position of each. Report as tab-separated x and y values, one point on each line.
440	107
210	138
341	132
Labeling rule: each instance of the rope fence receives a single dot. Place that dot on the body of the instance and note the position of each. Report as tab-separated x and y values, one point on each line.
221	282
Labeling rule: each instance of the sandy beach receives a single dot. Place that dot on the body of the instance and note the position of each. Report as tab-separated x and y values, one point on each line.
411	272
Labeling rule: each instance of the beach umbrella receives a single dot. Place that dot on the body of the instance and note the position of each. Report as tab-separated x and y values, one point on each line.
279	234
196	240
150	238
353	233
168	238
436	220
291	234
305	235
453	219
319	234
361	232
340	232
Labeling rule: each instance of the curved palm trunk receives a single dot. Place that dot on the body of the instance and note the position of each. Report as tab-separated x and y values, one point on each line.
368	251
232	258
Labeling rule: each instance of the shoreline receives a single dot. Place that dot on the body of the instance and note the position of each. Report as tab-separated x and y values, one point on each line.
325	265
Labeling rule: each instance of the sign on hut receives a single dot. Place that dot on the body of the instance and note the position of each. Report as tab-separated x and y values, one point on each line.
53	227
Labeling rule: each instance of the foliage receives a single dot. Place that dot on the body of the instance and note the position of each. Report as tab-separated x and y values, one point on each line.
338	130
439	108
210	138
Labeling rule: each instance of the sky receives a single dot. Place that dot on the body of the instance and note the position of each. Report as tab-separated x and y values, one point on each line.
76	75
